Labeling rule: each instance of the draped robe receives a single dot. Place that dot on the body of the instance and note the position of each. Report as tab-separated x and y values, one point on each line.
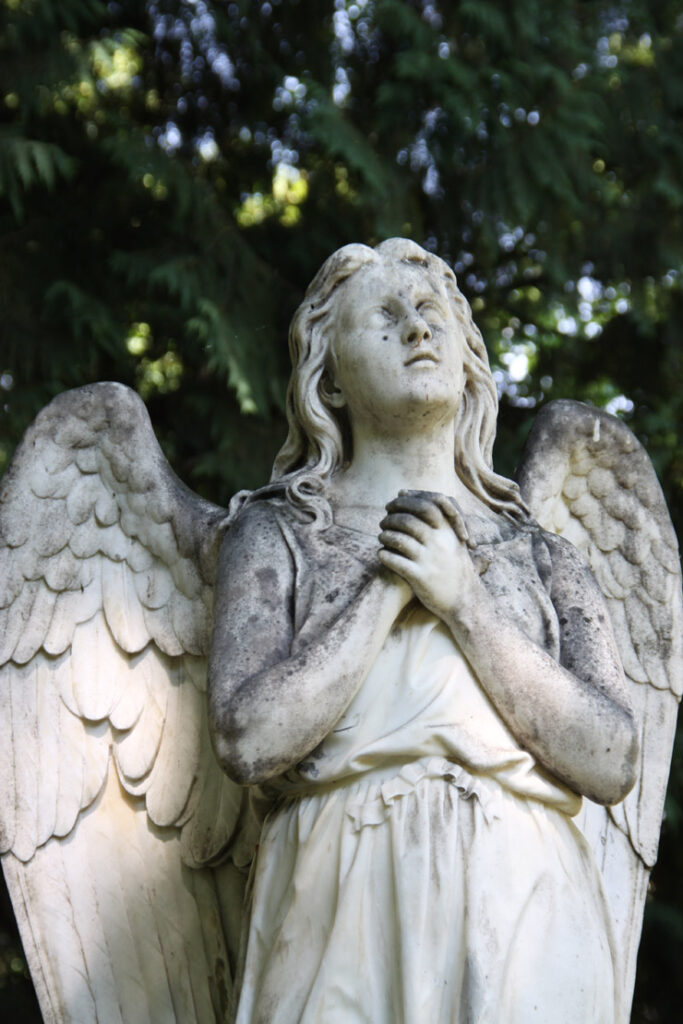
419	866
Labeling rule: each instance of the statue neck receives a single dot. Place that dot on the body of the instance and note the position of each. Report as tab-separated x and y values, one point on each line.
384	465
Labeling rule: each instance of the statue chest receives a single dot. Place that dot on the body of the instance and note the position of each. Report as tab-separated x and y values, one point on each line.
333	565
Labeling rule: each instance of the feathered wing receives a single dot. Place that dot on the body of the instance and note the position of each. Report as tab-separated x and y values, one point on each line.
586	477
110	797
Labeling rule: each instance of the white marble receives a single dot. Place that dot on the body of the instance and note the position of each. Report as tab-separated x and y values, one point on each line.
427	690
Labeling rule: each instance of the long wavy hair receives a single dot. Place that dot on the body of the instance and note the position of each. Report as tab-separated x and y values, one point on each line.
318	441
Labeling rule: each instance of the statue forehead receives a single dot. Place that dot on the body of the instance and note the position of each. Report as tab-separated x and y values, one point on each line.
392	276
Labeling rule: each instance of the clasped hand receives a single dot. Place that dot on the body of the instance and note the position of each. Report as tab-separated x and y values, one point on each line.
425	541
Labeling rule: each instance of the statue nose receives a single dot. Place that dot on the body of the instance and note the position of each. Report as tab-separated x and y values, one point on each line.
416	331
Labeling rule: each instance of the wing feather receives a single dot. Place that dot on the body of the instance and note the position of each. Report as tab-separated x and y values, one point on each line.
154	587
190	625
131	699
624	571
158	622
133	943
177	763
70	770
12	578
56	482
161	540
80	500
139	558
54	535
27	772
122	607
7	766
207	832
113	542
137	748
86	459
85	539
107	568
186	578
35	624
13	622
59	1001
106	508
629	657
95	760
71	608
196	671
97	665
60	571
585	476
47	709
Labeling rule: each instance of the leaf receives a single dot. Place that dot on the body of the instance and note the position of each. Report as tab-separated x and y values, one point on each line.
27	163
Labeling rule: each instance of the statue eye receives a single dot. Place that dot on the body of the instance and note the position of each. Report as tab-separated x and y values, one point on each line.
431	313
385	316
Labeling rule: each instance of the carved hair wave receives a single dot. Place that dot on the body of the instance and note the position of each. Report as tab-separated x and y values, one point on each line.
317	441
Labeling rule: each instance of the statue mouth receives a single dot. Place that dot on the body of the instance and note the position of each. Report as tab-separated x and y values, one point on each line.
422	357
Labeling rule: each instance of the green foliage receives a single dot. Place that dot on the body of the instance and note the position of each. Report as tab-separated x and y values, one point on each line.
173	173
25	163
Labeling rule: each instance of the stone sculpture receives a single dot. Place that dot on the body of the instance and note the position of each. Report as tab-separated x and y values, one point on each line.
449	793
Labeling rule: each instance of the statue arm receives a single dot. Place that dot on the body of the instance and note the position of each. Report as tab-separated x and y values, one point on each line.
268	707
573	716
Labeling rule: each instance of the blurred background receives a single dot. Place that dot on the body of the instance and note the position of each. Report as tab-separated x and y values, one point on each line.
172	174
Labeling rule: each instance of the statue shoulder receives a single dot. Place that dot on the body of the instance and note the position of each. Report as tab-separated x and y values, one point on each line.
258	537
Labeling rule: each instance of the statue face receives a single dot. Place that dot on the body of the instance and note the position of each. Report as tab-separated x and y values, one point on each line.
397	354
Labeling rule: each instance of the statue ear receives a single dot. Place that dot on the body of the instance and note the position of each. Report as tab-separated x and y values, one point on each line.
330	391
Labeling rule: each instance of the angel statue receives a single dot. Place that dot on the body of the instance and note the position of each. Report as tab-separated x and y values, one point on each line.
360	748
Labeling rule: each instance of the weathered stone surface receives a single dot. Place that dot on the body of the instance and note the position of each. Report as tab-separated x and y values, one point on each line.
414	686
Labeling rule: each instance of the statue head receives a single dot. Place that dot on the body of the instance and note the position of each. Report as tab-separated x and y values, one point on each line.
319	439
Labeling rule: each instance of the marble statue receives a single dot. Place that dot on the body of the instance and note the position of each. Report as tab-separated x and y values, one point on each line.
386	741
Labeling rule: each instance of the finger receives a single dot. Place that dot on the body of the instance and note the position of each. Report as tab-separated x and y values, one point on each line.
403	522
411	493
455	517
401	543
431	506
417	503
403	567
